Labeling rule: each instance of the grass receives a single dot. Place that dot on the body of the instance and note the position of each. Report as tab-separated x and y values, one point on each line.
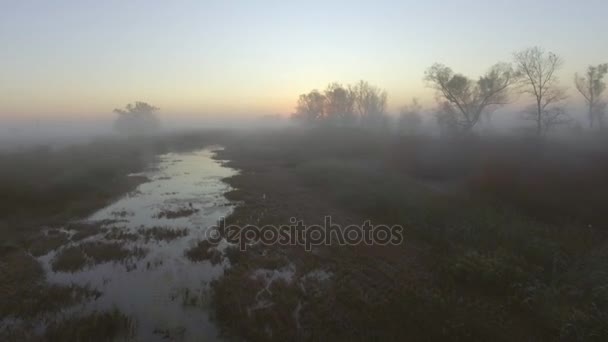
46	242
84	230
70	259
26	295
97	326
120	234
75	258
503	238
43	186
490	253
204	250
162	233
173	214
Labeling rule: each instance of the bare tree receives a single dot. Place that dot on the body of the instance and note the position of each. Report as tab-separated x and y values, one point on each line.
370	104
537	69
410	118
462	100
550	118
137	119
591	86
600	113
310	107
339	104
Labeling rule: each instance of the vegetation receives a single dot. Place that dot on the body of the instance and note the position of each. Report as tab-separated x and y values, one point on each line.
137	119
74	258
24	293
591	86
162	233
463	102
204	250
505	236
361	103
97	326
492	251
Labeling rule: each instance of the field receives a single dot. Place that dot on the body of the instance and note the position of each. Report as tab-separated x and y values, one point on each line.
504	238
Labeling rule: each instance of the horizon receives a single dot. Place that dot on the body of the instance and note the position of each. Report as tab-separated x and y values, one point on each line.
78	60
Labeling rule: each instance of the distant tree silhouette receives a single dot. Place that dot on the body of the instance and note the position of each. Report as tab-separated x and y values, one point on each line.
344	106
310	107
600	113
137	119
537	70
464	101
591	86
370	105
410	118
339	106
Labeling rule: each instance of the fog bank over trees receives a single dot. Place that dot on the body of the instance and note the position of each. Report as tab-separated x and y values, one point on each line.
137	119
464	103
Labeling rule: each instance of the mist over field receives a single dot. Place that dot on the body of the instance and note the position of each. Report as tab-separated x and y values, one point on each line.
289	171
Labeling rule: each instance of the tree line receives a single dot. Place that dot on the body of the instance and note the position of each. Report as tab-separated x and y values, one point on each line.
349	105
464	102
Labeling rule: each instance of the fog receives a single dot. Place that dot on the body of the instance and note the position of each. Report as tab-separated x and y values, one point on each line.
303	171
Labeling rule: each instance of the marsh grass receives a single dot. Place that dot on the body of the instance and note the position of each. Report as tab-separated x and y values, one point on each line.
26	295
98	326
495	246
69	259
120	234
173	214
85	230
162	233
44	243
75	258
204	250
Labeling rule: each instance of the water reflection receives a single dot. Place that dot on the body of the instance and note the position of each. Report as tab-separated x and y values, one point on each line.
164	292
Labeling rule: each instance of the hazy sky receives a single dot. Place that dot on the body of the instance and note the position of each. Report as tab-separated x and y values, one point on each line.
83	58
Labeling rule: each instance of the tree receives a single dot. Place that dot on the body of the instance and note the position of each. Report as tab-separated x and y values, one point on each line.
537	69
137	119
462	100
370	104
600	113
310	107
591	86
410	118
339	104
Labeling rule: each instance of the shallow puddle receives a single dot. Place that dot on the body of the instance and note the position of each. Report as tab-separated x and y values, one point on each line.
164	292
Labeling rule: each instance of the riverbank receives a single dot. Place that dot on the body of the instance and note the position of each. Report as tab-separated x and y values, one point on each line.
49	192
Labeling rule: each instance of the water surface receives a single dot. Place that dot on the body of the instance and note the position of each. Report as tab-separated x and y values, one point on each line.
164	292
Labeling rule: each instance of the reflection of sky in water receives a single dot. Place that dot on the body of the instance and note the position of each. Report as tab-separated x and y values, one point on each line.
150	293
181	181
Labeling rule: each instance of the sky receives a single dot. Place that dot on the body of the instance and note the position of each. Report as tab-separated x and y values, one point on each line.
81	59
